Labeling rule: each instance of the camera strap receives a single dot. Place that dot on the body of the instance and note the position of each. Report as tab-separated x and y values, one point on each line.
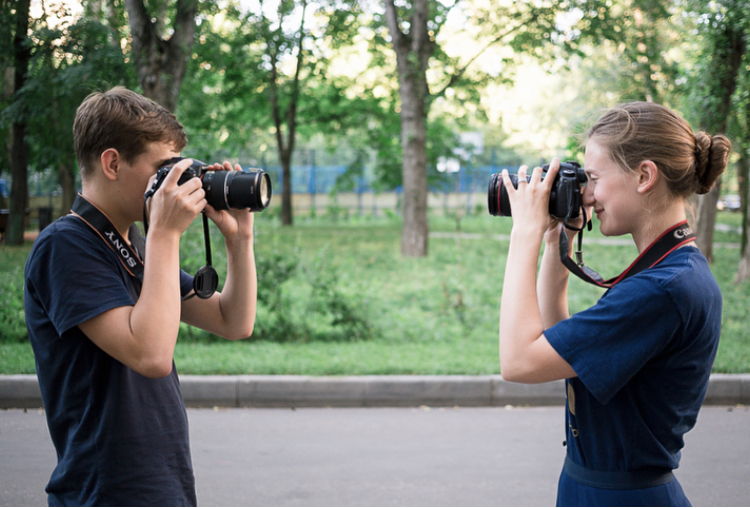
675	237
129	254
206	280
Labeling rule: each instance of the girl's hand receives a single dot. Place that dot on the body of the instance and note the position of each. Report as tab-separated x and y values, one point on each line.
552	235
530	201
234	224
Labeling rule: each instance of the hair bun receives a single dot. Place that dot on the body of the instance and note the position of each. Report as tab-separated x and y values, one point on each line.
711	155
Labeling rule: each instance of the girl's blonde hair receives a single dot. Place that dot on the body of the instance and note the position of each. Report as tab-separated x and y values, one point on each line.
637	131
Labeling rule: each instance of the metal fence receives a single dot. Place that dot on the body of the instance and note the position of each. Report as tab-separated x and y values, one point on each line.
323	179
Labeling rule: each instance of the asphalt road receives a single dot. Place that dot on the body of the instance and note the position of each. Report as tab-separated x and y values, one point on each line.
387	457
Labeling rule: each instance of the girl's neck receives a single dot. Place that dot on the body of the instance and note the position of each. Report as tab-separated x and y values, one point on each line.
657	223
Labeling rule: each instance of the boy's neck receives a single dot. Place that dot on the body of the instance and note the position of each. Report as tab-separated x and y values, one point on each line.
109	208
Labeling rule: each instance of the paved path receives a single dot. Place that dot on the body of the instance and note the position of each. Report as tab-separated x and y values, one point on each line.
485	456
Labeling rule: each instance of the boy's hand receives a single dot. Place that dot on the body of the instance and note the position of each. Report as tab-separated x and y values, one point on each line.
174	207
234	224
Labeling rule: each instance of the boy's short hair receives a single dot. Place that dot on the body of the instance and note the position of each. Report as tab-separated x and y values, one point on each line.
123	120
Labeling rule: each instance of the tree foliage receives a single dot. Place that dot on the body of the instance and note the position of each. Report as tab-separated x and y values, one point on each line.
724	27
67	62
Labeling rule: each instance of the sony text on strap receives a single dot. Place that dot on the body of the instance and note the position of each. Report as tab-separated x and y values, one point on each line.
129	255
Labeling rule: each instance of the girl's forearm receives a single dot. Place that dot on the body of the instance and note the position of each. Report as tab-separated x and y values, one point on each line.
520	317
552	287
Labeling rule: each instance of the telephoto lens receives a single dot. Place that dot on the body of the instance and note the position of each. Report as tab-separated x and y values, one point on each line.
225	190
237	189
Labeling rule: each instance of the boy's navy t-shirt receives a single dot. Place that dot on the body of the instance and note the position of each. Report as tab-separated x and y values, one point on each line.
121	438
643	356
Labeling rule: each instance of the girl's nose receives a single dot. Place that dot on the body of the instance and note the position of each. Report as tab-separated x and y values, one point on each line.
588	196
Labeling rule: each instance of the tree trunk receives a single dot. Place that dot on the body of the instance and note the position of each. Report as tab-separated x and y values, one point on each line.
287	215
743	173
66	174
19	154
412	57
19	190
415	229
161	64
7	94
286	147
728	51
704	227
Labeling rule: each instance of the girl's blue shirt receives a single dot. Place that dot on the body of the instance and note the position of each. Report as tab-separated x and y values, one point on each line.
643	356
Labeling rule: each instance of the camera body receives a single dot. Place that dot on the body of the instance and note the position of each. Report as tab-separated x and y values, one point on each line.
565	199
224	189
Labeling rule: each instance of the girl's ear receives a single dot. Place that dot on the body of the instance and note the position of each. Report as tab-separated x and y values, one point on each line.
648	176
110	160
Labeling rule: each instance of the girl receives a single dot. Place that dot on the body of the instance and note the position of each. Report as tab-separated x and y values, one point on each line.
637	363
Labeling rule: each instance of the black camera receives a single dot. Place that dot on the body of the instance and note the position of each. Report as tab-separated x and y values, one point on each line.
224	189
565	199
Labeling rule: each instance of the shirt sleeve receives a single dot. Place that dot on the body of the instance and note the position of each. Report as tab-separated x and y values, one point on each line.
186	283
610	342
75	279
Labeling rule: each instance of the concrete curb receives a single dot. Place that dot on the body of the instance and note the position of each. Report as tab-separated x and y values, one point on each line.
22	391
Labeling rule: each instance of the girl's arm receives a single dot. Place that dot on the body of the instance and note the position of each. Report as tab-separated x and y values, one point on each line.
552	285
525	354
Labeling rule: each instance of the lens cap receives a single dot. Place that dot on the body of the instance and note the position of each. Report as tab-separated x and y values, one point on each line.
205	282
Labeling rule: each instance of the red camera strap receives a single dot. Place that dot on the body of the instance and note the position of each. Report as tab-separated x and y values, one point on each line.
674	238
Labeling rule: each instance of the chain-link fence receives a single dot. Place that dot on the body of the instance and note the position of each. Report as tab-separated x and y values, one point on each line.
341	179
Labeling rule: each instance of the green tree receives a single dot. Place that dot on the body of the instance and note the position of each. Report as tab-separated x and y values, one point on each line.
629	50
414	29
723	26
69	62
19	151
161	52
268	70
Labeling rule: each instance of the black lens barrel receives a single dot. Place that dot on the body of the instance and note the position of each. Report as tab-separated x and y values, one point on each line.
237	189
497	197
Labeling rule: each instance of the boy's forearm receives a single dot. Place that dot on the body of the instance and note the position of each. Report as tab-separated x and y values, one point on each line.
156	315
238	298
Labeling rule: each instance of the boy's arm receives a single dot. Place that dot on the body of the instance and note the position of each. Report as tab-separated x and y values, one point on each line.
143	336
230	313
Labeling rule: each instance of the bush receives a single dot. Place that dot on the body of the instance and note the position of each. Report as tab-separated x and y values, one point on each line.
300	303
12	316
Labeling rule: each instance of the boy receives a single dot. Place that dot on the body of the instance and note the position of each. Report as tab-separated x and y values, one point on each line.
104	334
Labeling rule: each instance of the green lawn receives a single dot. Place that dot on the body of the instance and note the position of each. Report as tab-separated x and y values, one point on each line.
336	298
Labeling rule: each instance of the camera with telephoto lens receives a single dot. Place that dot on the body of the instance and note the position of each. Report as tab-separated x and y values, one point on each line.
565	199
224	189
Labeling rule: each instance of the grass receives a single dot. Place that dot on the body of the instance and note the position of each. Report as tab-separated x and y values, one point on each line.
436	315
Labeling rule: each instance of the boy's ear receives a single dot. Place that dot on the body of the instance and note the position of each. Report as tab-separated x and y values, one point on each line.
110	161
648	176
